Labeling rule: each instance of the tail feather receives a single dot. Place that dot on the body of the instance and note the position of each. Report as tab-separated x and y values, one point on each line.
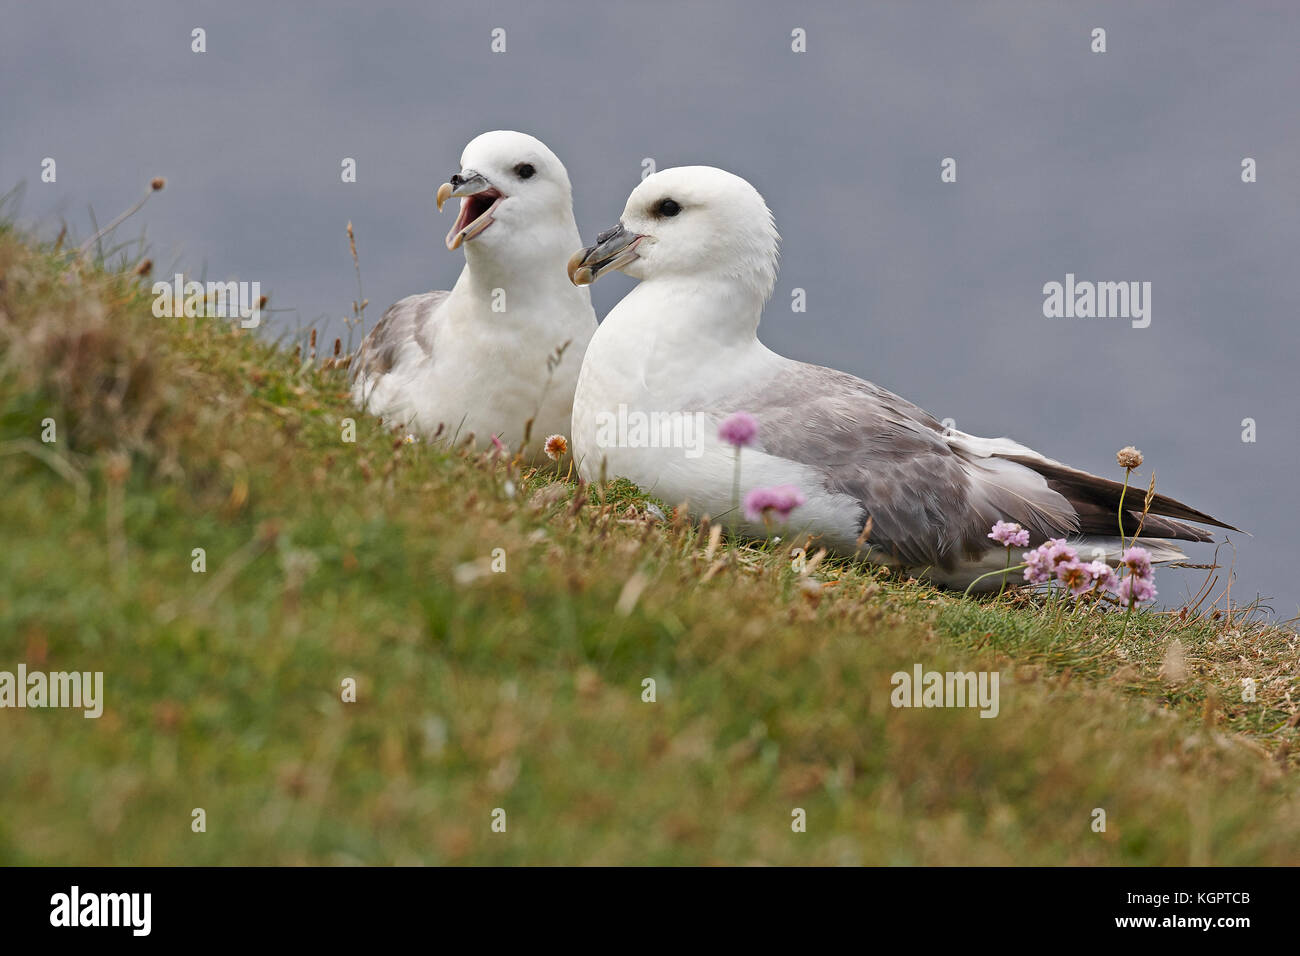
1111	549
1103	519
1097	502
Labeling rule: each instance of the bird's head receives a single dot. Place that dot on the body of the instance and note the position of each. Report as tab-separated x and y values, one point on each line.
514	194
694	222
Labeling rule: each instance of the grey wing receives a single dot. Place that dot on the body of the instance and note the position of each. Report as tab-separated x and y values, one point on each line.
929	504
407	321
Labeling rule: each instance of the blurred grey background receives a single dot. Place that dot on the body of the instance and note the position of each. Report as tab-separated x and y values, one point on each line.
1117	166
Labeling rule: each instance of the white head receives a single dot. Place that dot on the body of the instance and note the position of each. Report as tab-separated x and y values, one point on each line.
516	200
693	222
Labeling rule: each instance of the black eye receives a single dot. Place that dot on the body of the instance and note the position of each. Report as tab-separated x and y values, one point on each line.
525	170
668	207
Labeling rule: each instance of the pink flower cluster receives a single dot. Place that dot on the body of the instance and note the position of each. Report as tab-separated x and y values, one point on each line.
1010	534
739	429
780	499
1056	559
1139	584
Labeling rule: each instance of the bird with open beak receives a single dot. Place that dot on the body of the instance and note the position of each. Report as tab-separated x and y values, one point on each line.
497	356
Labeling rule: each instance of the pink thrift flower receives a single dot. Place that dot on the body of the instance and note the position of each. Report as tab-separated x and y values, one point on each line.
1010	534
739	429
1039	565
1103	575
1075	576
1058	552
781	499
1134	589
1138	561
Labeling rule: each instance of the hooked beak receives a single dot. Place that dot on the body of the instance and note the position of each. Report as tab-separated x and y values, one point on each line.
479	198
614	249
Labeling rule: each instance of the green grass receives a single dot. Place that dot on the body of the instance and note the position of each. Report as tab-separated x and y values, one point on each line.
522	690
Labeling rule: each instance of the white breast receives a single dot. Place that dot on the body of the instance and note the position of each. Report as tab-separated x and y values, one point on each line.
637	368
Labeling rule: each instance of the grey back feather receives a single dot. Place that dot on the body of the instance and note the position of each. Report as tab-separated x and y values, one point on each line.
930	504
408	320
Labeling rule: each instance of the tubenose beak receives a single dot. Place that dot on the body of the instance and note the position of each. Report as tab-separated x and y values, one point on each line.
479	198
614	249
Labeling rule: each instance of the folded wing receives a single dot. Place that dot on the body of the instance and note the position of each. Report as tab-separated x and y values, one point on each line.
931	493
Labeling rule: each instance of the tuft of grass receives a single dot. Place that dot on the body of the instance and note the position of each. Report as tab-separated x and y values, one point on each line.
63	353
522	689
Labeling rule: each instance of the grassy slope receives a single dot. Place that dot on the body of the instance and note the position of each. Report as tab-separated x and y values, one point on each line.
522	690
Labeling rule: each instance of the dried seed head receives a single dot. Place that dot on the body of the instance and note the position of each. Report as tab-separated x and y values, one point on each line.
144	268
556	446
157	183
1129	457
117	467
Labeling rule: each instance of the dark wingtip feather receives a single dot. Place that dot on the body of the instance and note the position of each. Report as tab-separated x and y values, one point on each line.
1094	497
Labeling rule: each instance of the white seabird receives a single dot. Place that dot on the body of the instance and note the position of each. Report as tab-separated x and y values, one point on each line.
684	343
503	348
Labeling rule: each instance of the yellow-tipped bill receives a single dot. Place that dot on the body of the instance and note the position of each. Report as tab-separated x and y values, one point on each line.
479	198
614	248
